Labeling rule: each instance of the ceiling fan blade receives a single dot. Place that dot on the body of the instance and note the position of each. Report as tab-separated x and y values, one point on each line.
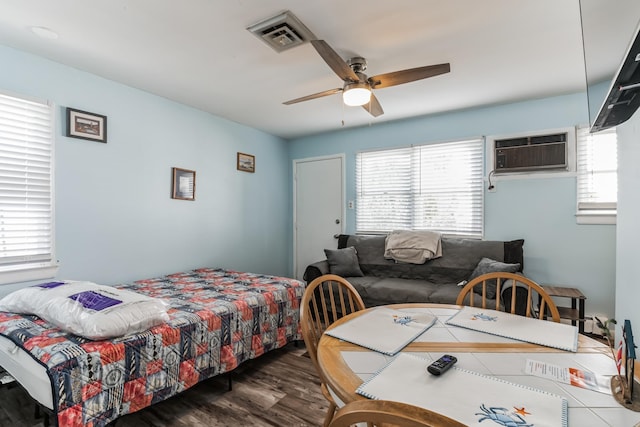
333	60
405	76
373	106
314	96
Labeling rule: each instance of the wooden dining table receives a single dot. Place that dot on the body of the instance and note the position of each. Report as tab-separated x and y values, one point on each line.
345	366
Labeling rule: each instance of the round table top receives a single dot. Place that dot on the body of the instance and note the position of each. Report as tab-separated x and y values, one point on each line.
343	381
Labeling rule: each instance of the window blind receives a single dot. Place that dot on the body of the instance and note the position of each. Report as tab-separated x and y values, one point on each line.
26	214
597	164
428	187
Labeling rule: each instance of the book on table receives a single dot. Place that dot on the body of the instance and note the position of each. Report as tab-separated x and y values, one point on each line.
384	330
535	331
463	395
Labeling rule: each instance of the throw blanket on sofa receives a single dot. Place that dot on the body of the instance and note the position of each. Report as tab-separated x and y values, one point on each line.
414	247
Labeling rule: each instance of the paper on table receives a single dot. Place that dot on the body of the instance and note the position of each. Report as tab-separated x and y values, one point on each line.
574	376
466	396
383	329
542	332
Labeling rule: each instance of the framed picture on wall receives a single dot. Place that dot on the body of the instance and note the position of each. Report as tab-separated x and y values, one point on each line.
246	162
183	184
85	125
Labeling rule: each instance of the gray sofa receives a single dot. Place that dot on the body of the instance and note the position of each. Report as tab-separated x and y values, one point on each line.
385	281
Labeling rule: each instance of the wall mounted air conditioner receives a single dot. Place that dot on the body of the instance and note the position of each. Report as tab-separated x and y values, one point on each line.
533	152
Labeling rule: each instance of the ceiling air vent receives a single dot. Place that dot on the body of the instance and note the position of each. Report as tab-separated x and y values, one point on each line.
282	32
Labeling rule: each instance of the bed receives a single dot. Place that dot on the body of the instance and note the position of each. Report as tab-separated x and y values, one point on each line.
218	319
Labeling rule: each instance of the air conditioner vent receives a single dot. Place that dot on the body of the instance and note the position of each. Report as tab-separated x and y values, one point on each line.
531	153
282	32
531	140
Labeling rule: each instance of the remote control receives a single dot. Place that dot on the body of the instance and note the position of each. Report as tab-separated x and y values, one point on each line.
442	364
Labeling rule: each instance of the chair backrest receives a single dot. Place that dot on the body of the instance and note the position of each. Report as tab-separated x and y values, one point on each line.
390	413
514	293
325	300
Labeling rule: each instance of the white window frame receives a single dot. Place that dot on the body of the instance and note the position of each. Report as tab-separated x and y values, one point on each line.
410	186
38	137
591	208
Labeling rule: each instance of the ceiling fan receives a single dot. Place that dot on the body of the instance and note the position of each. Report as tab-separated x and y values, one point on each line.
357	89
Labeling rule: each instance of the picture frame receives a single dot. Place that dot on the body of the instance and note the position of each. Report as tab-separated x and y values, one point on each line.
86	125
246	162
183	184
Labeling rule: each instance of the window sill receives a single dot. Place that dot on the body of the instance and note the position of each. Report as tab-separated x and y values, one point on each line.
29	274
596	218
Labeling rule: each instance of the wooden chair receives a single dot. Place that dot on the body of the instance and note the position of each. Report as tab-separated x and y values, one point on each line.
389	413
519	294
325	300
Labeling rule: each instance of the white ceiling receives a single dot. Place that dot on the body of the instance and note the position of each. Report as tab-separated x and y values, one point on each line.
199	53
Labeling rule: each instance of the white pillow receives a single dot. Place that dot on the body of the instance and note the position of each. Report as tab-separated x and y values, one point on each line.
87	309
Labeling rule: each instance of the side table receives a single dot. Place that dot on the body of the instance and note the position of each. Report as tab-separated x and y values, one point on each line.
576	312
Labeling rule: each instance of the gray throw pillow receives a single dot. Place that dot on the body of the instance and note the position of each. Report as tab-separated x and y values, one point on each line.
343	262
487	265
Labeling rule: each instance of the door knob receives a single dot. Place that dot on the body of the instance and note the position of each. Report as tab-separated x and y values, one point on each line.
337	221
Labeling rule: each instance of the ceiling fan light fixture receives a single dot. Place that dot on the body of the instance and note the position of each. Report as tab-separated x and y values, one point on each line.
356	94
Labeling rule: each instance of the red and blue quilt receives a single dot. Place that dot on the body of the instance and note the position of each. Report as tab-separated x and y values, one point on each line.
218	319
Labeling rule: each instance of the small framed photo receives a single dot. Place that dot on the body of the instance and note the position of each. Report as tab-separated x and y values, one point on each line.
246	162
85	125
183	184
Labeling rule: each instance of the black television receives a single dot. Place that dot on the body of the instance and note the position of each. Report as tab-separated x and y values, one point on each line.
623	98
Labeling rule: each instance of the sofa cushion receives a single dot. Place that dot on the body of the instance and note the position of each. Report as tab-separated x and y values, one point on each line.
376	291
380	291
343	262
487	265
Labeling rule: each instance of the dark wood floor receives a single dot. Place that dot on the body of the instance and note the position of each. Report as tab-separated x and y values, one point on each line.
280	388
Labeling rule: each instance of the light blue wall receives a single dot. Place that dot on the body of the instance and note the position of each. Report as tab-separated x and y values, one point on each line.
542	211
115	220
627	279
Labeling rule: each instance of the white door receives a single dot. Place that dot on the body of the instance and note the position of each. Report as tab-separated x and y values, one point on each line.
318	209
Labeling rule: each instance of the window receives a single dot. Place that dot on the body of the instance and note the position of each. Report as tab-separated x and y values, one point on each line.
26	207
597	183
428	187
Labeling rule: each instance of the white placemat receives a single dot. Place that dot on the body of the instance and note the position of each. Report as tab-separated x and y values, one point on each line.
542	332
383	329
466	396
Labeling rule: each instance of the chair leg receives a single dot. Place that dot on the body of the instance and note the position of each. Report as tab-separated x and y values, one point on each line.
330	412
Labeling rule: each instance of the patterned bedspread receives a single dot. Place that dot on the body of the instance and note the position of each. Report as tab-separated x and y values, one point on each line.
219	319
